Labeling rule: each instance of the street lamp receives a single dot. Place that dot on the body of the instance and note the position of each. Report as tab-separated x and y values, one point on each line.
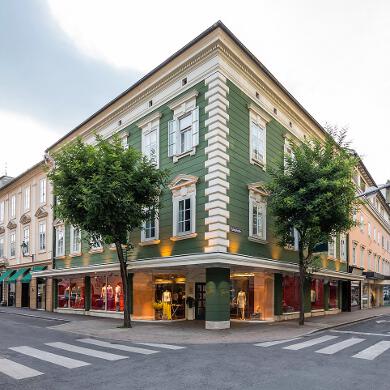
24	247
373	190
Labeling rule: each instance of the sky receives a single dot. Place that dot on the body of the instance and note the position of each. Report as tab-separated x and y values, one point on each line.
60	61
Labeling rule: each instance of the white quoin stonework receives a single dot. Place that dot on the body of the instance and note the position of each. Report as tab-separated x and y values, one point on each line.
217	160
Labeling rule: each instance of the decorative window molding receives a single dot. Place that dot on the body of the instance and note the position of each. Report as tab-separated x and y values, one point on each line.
75	241
183	129
150	128
183	189
150	232
257	212
41	212
11	225
25	219
258	120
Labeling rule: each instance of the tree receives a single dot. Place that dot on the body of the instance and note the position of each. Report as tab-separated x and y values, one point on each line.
107	191
313	192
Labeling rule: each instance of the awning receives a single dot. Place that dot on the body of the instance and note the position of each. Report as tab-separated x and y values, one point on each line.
27	278
18	274
6	274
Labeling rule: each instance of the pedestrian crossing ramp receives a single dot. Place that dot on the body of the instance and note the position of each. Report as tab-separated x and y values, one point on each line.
331	345
86	347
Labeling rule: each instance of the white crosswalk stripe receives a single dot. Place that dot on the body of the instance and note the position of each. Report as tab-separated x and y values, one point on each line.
267	344
164	346
87	351
309	343
340	346
16	370
374	351
120	347
50	357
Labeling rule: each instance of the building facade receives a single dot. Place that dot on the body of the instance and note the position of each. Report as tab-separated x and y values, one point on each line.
219	121
26	239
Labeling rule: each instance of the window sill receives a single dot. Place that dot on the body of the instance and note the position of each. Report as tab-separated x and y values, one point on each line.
149	242
42	251
183	237
258	240
258	163
60	257
290	248
191	152
99	250
75	254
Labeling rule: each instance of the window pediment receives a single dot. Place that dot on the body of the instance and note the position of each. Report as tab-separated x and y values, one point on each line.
2	230
41	212
24	219
58	222
11	225
185	103
258	189
181	181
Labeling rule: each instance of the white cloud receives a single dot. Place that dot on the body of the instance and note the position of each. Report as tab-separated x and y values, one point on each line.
23	142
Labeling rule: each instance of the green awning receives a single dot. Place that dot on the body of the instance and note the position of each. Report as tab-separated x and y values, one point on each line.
28	276
20	272
6	274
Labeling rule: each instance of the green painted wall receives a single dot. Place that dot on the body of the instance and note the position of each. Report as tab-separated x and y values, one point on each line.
217	294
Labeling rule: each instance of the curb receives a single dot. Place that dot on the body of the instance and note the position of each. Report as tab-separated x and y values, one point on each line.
35	316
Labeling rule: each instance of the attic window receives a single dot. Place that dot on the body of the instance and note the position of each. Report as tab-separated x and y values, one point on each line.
184	82
257	95
120	122
150	103
290	124
275	111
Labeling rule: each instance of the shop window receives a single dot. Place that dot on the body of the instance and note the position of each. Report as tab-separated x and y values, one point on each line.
71	293
107	293
355	295
333	296
290	300
317	294
169	297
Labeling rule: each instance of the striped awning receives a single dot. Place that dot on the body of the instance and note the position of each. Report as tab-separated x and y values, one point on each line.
27	278
18	275
6	274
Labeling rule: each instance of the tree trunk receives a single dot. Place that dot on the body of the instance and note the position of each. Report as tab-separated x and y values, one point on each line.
125	280
301	288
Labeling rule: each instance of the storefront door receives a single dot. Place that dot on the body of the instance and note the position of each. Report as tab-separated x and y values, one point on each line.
200	301
41	295
25	294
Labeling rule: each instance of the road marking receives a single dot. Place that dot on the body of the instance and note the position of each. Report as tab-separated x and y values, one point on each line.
381	321
361	333
374	351
87	351
50	357
271	343
340	346
16	370
309	343
165	346
120	347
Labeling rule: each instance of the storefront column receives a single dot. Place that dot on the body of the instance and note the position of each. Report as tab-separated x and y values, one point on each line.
51	294
278	294
18	294
87	293
326	295
217	298
33	293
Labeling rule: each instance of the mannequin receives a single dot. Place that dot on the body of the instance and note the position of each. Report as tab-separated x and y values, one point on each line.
241	302
103	295
167	301
118	293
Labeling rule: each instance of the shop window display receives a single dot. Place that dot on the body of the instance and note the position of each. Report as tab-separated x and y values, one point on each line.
169	297
333	301
355	295
290	300
107	293
317	294
71	293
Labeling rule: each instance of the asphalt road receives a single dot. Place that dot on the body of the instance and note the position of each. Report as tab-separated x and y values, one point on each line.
352	357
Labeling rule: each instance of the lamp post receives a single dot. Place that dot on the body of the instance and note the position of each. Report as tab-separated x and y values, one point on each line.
24	247
374	190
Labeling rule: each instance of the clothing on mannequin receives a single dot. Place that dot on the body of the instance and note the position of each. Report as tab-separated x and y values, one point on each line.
118	293
167	301
103	293
241	303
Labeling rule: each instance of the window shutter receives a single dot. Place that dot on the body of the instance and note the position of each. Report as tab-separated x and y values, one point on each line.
172	126
195	126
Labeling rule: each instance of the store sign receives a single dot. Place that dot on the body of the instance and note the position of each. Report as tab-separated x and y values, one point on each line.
235	229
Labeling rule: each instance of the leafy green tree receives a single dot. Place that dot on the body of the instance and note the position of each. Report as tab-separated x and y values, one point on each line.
107	191
313	192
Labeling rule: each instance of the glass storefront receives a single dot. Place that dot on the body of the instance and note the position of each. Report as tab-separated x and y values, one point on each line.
41	294
333	295
107	293
317	294
355	295
251	296
290	299
169	297
365	298
11	294
71	293
386	295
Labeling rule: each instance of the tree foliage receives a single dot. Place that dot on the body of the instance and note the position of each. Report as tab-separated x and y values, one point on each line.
107	191
313	192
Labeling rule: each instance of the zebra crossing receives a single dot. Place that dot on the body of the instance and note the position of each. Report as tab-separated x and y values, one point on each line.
51	353
371	352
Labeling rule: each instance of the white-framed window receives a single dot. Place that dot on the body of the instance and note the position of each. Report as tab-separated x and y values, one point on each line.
369	229
361	223
96	244
150	127
12	244
12	211
378	264
332	247
42	236
258	212
1	246
60	241
354	254
150	230
75	240
184	206
26	198
183	129
26	240
343	247
362	256
2	209
42	191
374	233
369	265
288	152
257	136
378	237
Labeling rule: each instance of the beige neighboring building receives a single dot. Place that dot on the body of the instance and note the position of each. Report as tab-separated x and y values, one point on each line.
26	239
369	245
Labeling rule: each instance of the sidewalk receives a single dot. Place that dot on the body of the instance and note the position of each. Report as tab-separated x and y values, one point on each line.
193	332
